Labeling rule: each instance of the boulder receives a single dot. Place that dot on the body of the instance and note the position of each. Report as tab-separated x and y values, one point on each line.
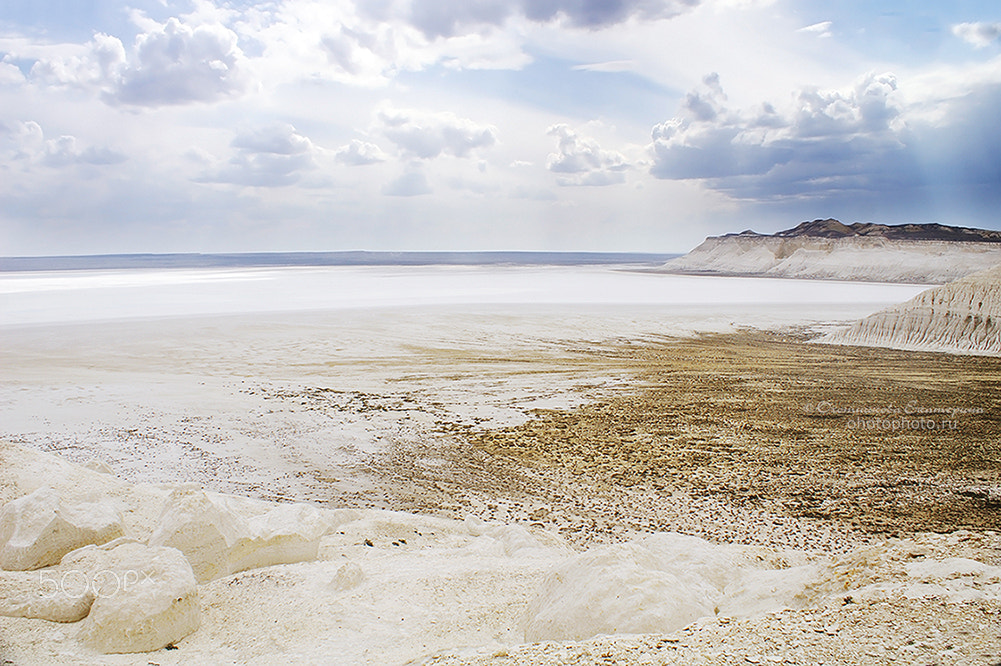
220	535
46	594
131	597
38	529
195	525
145	598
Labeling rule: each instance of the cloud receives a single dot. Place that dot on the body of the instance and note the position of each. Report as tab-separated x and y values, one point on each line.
65	151
171	63
427	135
359	153
10	74
446	18
27	142
533	193
822	29
600	13
272	156
583	161
97	64
410	184
177	64
822	138
610	66
979	34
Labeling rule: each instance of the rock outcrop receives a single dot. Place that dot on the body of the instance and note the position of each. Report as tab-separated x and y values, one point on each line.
830	250
128	597
145	598
219	536
962	317
38	529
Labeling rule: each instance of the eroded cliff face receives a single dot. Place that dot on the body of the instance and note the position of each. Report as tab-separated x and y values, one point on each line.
960	317
863	258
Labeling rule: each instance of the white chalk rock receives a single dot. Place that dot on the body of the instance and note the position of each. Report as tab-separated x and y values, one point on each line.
657	585
38	529
962	317
46	594
286	534
197	527
98	465
220	535
872	259
348	576
145	598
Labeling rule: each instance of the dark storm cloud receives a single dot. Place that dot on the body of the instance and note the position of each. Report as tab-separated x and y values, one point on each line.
848	148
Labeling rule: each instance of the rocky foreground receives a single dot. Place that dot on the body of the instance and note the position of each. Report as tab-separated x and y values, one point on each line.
830	250
183	576
962	317
748	498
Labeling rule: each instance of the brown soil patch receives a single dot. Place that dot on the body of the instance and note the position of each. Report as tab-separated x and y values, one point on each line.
884	440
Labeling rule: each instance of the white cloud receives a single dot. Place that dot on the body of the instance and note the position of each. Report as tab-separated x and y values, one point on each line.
97	64
27	143
172	63
10	75
978	34
581	161
427	135
445	18
176	64
533	193
272	156
359	153
410	184
608	66
822	29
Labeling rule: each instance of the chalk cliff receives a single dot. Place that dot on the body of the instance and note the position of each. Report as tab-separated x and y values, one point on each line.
960	317
830	250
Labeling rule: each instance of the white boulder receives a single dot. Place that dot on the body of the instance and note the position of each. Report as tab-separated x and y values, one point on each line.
145	598
38	529
200	529
46	594
131	597
221	535
656	585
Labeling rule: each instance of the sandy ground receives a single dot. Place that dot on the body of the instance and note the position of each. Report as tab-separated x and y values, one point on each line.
724	429
741	436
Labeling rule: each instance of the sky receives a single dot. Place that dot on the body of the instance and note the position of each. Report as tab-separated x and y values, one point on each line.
441	125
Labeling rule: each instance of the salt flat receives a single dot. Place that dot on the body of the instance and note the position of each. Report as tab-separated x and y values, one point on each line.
187	374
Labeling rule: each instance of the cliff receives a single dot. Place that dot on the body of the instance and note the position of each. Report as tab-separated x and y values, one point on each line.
829	250
960	317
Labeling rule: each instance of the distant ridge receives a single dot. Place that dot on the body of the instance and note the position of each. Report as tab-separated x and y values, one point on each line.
831	228
352	258
830	250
